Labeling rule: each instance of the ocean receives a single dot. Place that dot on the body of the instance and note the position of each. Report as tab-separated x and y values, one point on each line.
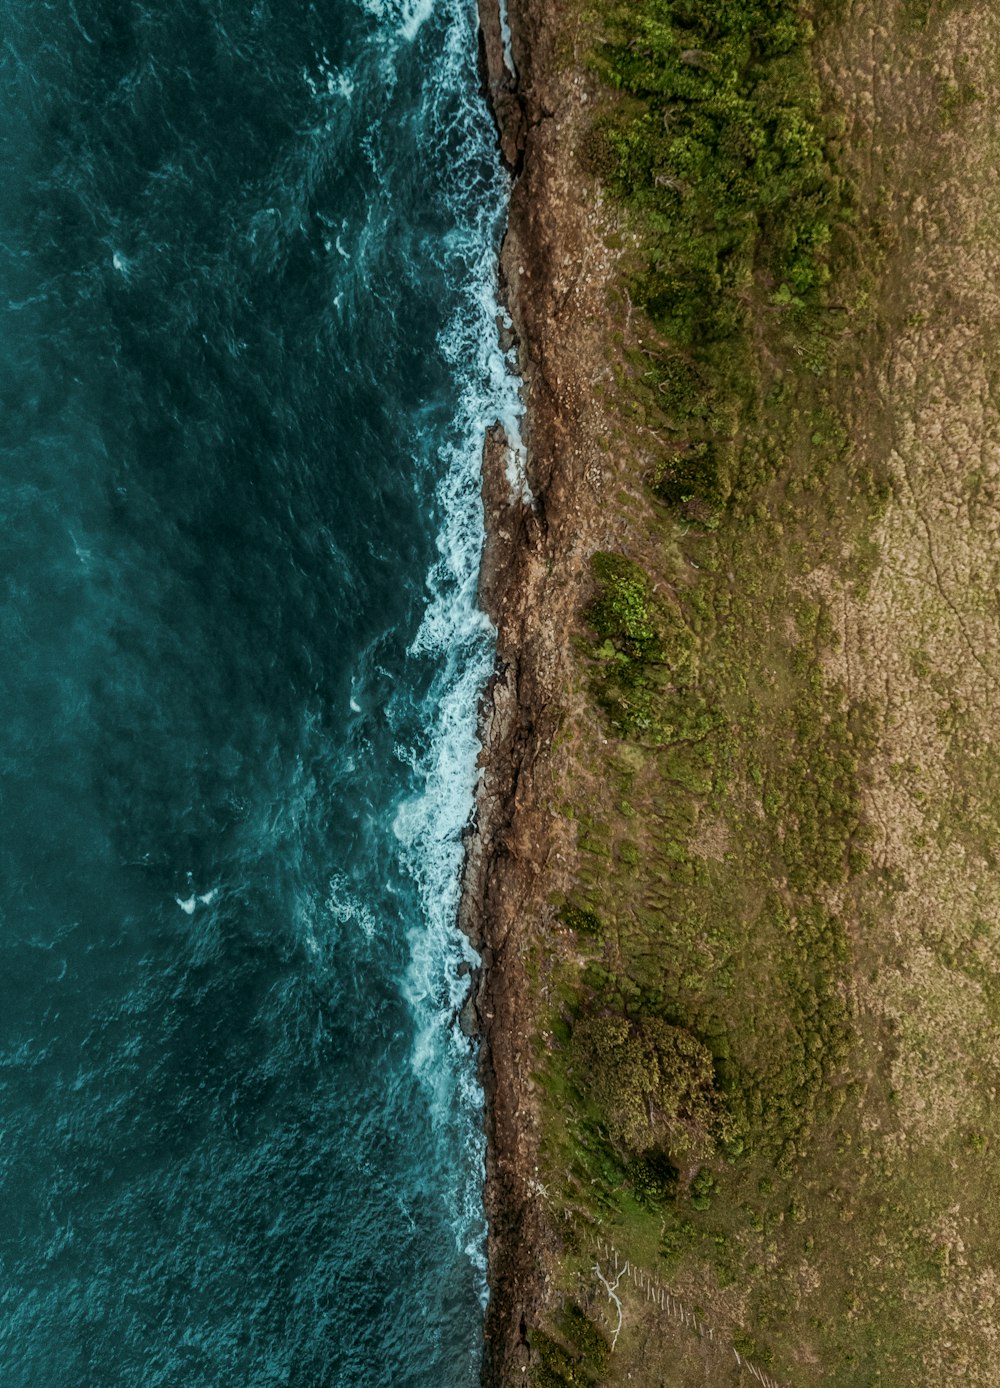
247	359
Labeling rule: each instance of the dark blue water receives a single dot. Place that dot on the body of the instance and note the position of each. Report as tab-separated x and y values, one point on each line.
246	261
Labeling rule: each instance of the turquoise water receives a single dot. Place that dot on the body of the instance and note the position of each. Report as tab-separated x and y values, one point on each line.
246	361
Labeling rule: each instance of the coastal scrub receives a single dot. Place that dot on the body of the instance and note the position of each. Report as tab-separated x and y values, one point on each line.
717	145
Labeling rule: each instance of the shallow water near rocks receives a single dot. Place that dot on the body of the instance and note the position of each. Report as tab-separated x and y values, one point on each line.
248	355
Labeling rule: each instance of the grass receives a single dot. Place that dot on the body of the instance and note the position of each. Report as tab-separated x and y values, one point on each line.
749	741
725	888
729	818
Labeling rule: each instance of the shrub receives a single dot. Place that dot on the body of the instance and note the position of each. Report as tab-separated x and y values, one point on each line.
703	1187
720	144
717	144
653	1177
583	1334
626	694
652	1082
581	919
553	1366
699	471
622	611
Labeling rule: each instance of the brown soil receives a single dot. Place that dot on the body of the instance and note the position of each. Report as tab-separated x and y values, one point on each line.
923	644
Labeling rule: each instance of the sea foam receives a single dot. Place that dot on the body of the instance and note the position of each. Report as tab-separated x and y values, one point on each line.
455	635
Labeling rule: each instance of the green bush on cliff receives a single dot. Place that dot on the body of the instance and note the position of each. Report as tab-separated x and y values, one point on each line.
641	674
622	611
581	919
625	692
653	1178
581	1332
722	147
553	1366
652	1082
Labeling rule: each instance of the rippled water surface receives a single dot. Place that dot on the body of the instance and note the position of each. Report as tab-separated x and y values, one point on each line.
246	358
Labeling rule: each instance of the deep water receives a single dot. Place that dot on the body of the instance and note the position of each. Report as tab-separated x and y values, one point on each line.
246	359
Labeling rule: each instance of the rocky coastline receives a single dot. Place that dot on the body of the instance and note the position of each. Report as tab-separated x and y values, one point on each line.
497	880
533	565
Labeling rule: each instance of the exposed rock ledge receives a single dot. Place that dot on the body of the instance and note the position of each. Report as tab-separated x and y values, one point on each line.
552	279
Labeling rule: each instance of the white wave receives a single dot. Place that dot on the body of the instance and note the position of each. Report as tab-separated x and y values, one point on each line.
332	81
345	907
455	635
340	84
188	904
404	17
414	16
505	39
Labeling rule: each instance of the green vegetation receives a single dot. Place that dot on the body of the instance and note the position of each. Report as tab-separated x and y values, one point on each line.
622	612
711	1014
642	680
754	1023
581	920
578	1356
717	144
706	1043
726	155
652	1082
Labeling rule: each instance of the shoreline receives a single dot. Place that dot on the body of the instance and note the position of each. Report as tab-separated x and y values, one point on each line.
534	567
494	874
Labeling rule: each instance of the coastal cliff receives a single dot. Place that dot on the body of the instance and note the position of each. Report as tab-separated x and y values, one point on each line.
534	558
747	793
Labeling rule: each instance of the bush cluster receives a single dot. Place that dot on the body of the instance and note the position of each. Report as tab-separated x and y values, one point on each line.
581	1332
581	919
652	1178
653	1083
580	1360
717	143
641	680
622	612
722	146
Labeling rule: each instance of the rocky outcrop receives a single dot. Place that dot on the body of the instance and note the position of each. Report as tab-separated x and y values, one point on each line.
551	280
